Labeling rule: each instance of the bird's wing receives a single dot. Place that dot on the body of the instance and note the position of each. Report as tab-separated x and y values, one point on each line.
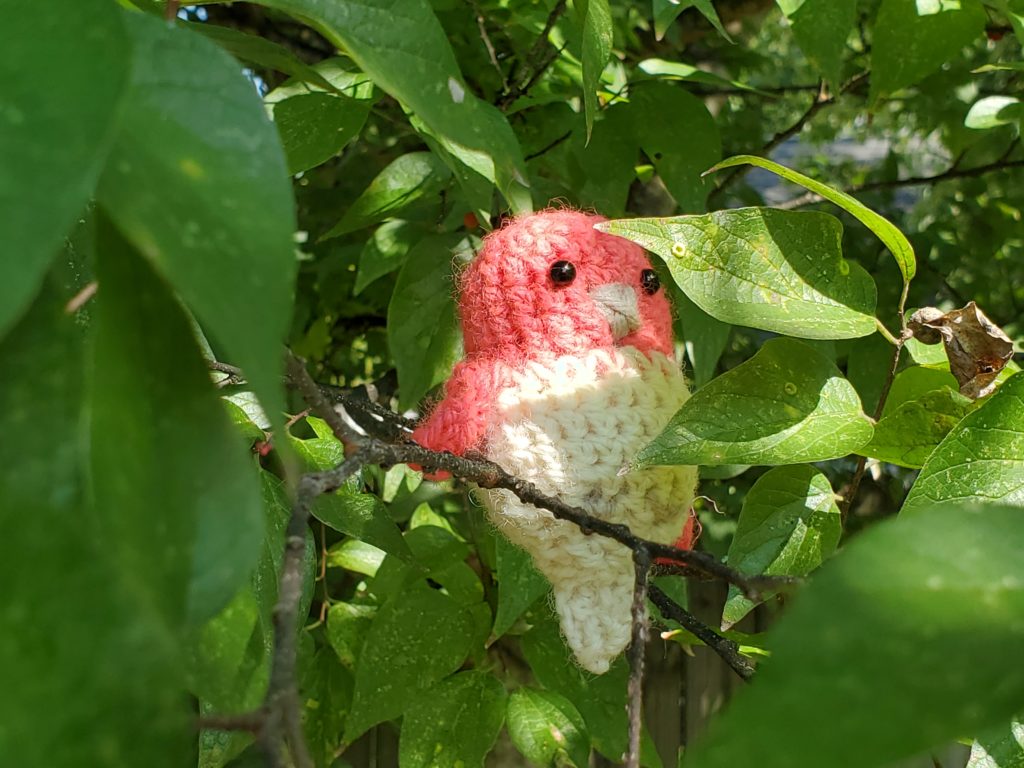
458	423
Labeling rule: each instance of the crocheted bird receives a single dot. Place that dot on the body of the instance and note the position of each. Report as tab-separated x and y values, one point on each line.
568	373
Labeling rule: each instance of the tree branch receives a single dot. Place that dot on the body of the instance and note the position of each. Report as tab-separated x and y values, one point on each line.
538	59
481	24
279	722
635	656
953	172
821	100
862	462
725	648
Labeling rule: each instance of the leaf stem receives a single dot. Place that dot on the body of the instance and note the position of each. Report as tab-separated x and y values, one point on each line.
886	332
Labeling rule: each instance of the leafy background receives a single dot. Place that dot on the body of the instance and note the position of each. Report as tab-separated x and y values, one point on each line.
315	172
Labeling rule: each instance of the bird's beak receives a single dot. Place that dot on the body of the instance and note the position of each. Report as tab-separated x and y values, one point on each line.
618	304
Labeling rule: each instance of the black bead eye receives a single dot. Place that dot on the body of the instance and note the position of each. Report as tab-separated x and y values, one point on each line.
563	272
649	282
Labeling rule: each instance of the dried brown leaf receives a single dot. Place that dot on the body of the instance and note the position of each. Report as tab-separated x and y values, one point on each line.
976	347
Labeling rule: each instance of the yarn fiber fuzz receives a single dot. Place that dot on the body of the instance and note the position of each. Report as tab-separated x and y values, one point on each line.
564	381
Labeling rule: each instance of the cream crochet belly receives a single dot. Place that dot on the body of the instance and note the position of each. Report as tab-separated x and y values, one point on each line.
569	426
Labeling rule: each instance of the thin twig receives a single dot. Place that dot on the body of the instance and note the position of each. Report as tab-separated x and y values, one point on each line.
858	474
725	648
537	60
279	721
171	10
246	721
481	23
544	150
79	300
635	656
821	100
953	172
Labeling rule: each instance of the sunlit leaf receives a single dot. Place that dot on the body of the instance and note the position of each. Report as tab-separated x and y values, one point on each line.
547	729
788	404
910	432
779	271
981	459
789	525
993	111
884	229
1001	747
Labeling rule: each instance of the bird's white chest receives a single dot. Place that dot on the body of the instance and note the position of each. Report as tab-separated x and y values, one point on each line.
570	425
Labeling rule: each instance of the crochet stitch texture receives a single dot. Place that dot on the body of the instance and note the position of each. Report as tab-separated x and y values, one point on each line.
562	384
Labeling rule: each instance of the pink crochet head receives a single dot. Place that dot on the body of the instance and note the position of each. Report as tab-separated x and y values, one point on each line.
516	300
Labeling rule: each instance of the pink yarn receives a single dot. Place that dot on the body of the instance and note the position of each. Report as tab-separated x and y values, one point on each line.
512	313
569	371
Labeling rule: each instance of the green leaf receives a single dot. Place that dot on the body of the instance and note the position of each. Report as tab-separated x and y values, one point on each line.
356	556
705	338
416	639
909	45
884	229
315	126
1002	66
385	251
981	459
454	724
900	644
64	68
362	516
908	435
347	626
775	270
677	70
867	366
596	19
666	11
210	208
788	404
601	700
1001	747
993	111
75	637
915	381
409	178
423	331
547	729
658	110
607	165
326	688
228	670
401	45
520	584
821	28
164	457
789	525
262	52
1013	10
